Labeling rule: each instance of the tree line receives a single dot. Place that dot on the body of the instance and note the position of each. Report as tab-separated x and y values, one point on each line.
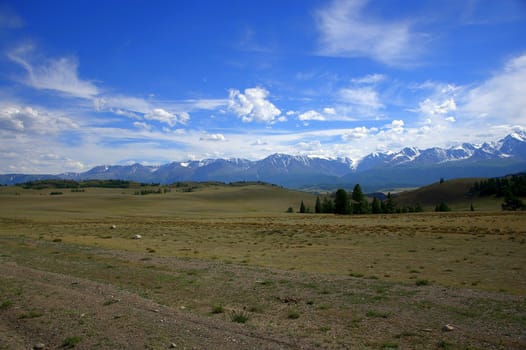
510	187
344	203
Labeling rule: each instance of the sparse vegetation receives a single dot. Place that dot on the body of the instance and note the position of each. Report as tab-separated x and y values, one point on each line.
293	314
239	316
422	283
5	304
279	272
218	309
71	342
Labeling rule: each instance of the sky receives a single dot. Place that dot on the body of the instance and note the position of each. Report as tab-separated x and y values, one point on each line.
85	83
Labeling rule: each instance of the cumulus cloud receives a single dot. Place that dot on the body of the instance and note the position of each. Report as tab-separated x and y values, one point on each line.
311	115
429	107
397	126
29	119
59	75
163	116
309	146
329	111
346	31
358	133
213	137
252	105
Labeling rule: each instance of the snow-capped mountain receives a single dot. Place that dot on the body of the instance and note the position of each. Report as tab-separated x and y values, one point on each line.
408	167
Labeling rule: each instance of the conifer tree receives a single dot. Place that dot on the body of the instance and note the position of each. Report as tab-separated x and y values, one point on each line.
302	207
375	206
317	206
341	202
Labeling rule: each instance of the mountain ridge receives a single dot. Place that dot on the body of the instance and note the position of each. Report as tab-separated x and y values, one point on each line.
410	166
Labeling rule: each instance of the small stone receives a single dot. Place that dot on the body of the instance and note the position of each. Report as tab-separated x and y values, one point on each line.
173	346
183	307
113	227
448	328
39	346
137	237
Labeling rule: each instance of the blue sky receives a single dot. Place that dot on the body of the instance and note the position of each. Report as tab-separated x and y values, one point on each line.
84	83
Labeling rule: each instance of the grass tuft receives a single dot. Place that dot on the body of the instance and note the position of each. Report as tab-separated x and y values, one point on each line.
239	316
71	342
422	283
218	309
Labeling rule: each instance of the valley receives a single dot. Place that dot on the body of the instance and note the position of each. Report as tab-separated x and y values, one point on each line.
226	266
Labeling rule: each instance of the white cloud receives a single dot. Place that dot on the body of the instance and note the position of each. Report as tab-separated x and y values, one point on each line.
369	79
502	96
259	142
125	113
311	115
364	97
429	107
397	126
309	146
26	119
451	119
142	125
55	74
122	103
347	31
329	111
357	133
166	117
253	105
213	137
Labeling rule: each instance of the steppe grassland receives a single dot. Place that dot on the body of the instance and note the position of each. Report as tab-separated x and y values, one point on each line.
382	281
248	225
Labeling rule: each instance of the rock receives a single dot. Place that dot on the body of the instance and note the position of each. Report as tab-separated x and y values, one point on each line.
39	346
173	346
448	328
113	227
137	237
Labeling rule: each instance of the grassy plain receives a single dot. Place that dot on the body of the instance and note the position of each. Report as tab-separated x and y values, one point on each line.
375	281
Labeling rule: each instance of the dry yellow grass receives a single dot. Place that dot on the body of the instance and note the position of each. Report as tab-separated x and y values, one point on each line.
372	281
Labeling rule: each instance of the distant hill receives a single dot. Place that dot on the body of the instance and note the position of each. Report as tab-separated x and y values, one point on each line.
410	167
450	191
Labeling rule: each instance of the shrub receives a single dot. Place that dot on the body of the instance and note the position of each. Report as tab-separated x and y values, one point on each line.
218	309
6	304
378	314
239	316
293	314
70	342
422	283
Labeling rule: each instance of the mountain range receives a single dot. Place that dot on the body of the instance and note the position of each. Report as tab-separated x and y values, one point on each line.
409	167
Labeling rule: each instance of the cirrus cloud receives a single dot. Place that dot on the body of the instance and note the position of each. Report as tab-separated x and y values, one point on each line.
59	75
346	31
